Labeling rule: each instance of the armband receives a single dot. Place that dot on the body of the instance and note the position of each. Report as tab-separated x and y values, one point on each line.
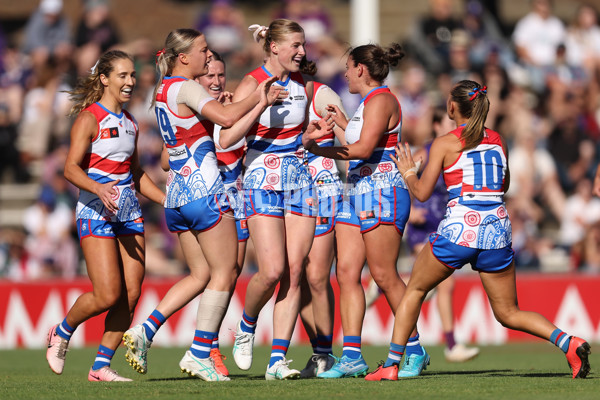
193	95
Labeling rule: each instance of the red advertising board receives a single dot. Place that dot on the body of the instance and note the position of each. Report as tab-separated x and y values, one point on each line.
572	302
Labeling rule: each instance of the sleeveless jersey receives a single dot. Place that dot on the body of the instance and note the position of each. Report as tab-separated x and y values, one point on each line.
109	158
324	172
194	173
274	160
379	171
476	214
230	166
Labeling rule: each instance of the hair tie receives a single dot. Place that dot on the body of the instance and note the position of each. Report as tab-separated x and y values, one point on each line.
159	53
94	68
476	91
260	31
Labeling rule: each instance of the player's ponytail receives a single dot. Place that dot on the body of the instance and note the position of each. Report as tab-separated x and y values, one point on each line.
90	89
308	67
474	105
178	41
377	59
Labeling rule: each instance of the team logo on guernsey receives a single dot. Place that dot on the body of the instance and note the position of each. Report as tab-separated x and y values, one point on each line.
109	133
385	167
327	163
272	161
472	218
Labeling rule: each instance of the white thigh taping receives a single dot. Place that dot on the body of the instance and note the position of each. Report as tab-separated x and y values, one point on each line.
325	95
193	95
212	307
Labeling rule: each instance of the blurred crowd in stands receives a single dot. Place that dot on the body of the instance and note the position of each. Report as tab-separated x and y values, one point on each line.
542	74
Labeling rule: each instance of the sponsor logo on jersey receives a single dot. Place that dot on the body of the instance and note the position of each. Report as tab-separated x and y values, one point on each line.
323	221
367	214
178	153
109	133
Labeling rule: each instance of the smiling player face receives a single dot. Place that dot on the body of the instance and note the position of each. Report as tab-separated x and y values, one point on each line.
120	82
214	81
290	51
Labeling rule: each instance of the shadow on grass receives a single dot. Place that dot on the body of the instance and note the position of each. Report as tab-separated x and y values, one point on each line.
502	373
474	372
187	378
180	378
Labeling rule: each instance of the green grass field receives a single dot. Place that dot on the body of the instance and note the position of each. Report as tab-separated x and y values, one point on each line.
518	371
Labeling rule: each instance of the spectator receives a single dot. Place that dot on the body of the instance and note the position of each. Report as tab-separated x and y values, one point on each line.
44	108
568	144
536	37
564	72
416	106
9	156
430	39
583	39
15	263
224	27
485	35
459	64
14	73
311	15
48	35
95	34
49	243
578	232
534	179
